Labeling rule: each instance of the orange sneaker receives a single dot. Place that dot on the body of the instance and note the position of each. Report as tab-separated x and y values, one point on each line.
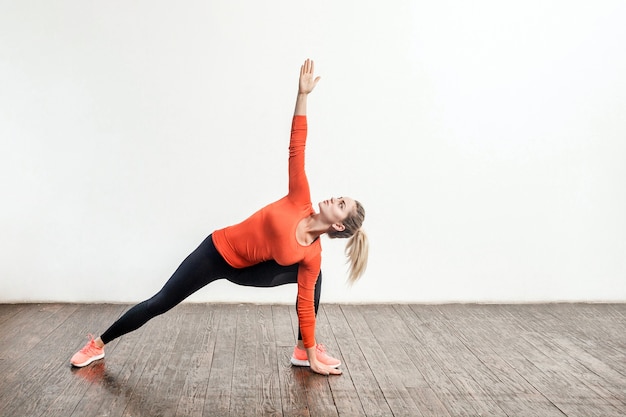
89	353
300	358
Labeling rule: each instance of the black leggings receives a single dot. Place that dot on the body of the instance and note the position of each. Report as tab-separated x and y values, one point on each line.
201	267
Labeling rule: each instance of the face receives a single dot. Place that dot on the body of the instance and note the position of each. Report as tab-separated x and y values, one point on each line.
336	210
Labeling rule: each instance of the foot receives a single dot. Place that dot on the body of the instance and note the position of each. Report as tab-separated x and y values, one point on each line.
89	353
300	358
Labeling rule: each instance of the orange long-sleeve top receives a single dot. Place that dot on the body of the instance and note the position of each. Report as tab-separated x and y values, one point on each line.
270	234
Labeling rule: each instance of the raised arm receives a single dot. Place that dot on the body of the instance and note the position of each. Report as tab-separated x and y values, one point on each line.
306	84
298	184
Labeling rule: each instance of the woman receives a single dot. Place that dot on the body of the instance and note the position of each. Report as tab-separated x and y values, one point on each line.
277	245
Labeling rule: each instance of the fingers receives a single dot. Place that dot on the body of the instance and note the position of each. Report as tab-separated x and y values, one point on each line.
307	81
331	371
334	371
308	67
326	370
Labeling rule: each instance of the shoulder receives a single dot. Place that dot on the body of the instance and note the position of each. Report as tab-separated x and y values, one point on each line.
313	256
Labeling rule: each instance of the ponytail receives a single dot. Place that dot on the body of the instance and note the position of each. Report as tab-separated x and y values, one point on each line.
357	250
357	247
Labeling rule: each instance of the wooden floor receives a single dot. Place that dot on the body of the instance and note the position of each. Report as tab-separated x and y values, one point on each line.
398	360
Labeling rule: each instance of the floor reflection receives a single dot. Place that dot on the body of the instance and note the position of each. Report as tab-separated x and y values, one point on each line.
119	391
97	373
115	395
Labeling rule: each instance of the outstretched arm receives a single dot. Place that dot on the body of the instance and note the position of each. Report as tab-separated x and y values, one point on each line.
306	84
298	183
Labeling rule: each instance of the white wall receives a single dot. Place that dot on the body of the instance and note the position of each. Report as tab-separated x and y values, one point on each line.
487	141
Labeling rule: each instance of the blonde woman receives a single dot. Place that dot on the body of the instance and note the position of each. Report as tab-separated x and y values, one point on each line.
279	244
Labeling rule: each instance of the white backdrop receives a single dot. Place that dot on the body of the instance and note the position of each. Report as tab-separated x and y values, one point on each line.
487	141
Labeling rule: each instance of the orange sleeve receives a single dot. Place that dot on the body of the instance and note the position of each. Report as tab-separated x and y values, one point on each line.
299	191
307	278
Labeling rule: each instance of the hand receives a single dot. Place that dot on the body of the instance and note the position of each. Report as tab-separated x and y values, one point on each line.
320	368
307	83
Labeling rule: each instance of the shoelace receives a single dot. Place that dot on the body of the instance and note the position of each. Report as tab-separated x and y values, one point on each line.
89	347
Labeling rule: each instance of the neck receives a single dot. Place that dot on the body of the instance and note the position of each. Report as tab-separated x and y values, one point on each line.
310	228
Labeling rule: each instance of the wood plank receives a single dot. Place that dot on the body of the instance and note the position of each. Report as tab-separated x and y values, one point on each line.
318	394
284	332
148	396
344	393
244	391
594	373
547	371
16	344
511	391
562	384
254	389
388	379
190	336
596	329
39	321
371	400
269	401
341	389
114	379
416	336
594	368
217	401
390	332
475	383
493	360
191	402
52	375
294	399
12	311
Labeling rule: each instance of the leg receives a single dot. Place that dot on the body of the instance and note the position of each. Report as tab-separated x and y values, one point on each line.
270	274
200	268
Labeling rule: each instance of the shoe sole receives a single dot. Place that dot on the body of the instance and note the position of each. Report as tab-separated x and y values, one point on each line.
88	361
298	362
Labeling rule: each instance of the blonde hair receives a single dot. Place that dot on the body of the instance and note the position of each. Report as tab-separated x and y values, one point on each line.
357	248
